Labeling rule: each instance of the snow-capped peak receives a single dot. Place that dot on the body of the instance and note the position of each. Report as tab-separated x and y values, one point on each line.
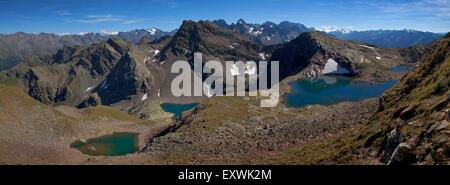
105	32
329	29
64	34
152	31
241	21
83	33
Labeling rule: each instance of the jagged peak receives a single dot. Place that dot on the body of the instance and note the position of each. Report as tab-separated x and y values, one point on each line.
118	44
313	36
64	54
241	21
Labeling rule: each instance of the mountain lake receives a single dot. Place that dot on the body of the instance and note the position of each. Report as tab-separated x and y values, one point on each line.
327	90
177	109
117	144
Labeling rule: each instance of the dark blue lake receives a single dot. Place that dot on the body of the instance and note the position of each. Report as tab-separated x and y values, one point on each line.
329	90
402	68
177	109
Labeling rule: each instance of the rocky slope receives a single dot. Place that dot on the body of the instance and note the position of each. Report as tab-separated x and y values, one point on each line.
35	133
213	42
114	73
121	74
210	40
235	130
410	127
25	47
414	127
69	73
314	54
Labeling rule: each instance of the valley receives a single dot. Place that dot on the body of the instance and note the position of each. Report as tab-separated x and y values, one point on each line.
110	102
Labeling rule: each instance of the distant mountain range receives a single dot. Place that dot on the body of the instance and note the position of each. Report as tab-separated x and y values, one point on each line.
19	47
388	38
132	72
120	73
25	47
268	32
271	33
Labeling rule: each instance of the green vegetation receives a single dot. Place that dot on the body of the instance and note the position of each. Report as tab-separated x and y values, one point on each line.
104	113
418	103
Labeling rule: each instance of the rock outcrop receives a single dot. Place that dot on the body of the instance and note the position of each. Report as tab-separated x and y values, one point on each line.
414	115
310	53
71	72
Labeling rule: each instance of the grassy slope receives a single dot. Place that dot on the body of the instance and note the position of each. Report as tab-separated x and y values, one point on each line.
34	133
417	102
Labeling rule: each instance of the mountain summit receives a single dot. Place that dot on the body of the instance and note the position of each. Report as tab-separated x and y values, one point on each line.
268	32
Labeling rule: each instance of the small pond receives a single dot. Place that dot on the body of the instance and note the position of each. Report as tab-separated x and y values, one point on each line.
177	109
116	144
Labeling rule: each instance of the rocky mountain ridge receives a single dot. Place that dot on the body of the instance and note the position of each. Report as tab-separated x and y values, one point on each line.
314	54
389	38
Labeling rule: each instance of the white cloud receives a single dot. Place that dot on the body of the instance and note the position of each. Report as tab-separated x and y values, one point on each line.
429	8
94	19
63	13
130	21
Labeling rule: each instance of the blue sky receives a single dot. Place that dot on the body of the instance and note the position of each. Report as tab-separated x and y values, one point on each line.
75	16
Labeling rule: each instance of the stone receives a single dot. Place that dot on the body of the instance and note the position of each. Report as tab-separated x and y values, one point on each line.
392	142
403	154
443	125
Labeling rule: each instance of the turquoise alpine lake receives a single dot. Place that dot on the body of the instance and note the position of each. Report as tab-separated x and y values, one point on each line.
177	109
116	144
327	90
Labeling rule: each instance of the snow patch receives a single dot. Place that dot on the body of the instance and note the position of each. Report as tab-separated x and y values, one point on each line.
256	33
83	33
146	59
156	52
332	67
144	97
329	29
250	30
152	31
89	88
379	58
105	32
370	47
159	92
